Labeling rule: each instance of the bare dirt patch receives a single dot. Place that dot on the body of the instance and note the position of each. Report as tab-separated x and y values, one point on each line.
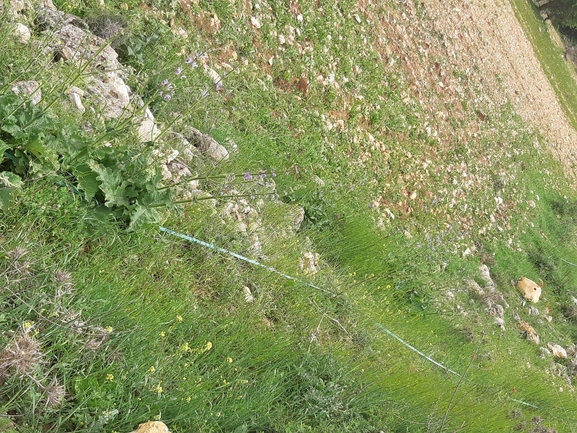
462	59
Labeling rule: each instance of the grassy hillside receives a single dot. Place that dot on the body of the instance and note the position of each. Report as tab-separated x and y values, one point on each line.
107	321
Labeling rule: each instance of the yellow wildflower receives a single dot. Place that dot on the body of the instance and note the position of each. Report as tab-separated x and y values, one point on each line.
206	347
157	388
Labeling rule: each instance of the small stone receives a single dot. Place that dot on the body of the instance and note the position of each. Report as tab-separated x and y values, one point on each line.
558	351
248	297
486	276
298	214
152	427
206	144
533	311
180	32
147	130
23	33
255	22
474	286
528	331
496	310
213	75
529	289
545	353
500	322
75	94
309	263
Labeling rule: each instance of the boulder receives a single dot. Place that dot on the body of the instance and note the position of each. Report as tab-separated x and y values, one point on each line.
529	289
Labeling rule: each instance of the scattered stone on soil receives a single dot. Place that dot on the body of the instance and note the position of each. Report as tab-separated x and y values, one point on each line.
558	351
528	332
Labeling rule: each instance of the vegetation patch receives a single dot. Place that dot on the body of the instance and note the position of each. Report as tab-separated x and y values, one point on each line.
350	238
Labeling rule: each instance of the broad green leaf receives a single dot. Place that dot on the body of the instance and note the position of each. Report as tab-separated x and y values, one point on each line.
14	130
142	216
3	147
87	181
111	185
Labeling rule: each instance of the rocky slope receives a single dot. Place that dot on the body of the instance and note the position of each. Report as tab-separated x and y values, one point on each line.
472	51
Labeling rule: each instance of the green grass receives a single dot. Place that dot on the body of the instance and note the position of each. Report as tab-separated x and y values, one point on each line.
123	327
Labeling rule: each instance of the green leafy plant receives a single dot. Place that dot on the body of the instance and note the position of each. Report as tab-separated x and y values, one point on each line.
119	181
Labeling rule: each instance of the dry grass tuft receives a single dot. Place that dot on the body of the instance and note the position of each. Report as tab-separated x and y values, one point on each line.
21	356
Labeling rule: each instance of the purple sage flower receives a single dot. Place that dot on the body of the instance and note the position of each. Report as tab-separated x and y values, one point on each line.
247	176
191	62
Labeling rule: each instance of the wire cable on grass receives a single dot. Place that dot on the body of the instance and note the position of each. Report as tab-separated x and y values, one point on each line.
298	280
269	268
428	358
240	257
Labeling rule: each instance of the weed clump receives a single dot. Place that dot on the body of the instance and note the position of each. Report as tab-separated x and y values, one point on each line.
21	357
111	27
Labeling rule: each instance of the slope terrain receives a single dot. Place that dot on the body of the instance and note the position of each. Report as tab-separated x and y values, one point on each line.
348	193
473	56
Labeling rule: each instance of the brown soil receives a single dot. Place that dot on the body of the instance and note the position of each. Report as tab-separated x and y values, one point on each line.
474	53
